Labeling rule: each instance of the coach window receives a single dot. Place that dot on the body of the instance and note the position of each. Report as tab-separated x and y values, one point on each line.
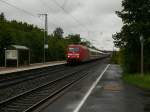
92	53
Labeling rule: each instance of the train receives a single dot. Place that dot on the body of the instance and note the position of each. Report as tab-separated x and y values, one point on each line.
77	53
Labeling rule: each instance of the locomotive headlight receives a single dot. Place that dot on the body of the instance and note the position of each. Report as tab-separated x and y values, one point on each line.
77	56
68	56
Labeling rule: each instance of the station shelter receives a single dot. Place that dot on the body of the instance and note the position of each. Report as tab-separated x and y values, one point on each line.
17	55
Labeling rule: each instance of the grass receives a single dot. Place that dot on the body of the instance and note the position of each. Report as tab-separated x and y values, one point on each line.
138	80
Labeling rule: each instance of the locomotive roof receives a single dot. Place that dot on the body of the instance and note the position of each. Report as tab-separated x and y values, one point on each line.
92	50
75	45
78	45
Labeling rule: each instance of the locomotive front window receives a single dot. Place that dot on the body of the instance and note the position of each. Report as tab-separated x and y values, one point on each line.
73	49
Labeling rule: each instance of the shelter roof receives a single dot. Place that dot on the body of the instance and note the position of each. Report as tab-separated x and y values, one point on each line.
19	47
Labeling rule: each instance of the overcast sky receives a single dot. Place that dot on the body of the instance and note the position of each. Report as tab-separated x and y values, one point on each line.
95	20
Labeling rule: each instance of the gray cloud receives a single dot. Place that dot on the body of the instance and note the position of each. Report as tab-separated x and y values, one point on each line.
96	19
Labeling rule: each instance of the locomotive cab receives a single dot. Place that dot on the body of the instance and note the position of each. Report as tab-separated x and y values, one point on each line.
77	54
73	54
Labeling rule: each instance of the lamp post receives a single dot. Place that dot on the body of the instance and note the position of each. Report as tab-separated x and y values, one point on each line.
5	57
45	34
142	53
29	56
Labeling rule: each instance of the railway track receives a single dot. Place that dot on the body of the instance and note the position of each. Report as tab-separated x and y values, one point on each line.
31	75
28	100
27	84
49	86
15	78
20	77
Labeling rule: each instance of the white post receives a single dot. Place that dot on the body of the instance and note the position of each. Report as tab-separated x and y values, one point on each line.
17	59
142	54
45	34
5	58
29	56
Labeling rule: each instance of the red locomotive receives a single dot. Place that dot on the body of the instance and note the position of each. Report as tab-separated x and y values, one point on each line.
80	53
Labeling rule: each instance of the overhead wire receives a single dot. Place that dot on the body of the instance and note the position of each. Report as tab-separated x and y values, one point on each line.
44	4
17	8
61	7
65	2
74	18
22	10
49	7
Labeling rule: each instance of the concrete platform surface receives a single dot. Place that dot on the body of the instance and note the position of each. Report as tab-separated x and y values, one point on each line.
109	95
5	70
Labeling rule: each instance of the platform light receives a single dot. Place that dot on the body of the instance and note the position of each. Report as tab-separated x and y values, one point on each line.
78	56
142	54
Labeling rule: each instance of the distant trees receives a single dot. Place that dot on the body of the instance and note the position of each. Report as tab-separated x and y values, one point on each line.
4	32
136	19
2	17
19	33
74	39
87	43
58	32
58	44
14	32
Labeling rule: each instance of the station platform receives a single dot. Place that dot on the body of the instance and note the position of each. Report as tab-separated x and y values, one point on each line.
5	70
102	91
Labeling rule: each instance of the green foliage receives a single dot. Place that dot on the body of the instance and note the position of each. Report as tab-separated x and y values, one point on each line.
58	32
135	16
115	57
58	46
86	43
74	39
14	32
57	49
137	80
2	17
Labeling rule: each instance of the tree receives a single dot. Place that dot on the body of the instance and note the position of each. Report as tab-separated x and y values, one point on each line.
58	32
86	43
74	39
135	16
2	17
5	41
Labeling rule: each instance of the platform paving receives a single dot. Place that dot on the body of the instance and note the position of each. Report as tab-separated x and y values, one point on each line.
111	94
5	70
115	95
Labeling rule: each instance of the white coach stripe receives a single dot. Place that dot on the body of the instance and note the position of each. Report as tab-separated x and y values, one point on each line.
77	109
